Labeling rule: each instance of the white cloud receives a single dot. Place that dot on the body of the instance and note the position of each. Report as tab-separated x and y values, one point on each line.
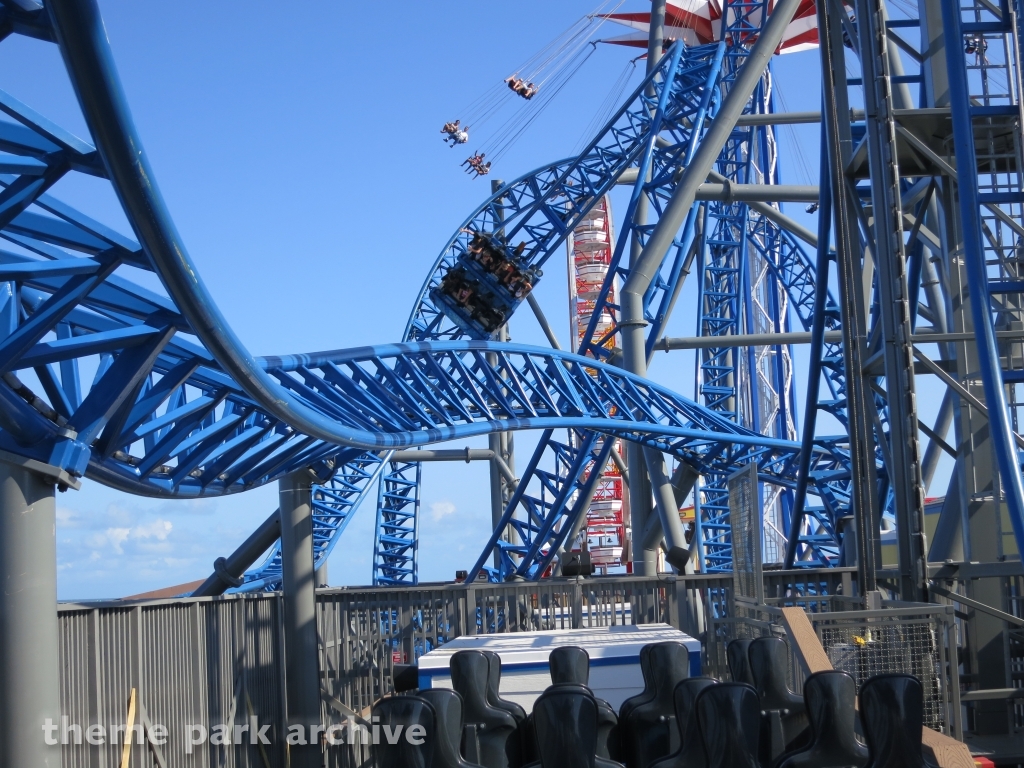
441	509
65	516
158	529
116	537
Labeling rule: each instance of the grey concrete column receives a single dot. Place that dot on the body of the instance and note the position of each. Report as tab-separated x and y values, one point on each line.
28	619
302	659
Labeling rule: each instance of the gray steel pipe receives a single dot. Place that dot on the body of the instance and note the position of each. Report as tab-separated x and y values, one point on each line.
542	320
742	193
753	193
774	214
461	454
642	273
644	268
227	571
743	340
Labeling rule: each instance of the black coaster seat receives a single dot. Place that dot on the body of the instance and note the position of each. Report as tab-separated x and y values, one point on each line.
647	693
737	654
784	714
494	686
404	711
729	721
565	721
830	698
892	712
571	664
447	706
691	747
649	731
516	747
487	728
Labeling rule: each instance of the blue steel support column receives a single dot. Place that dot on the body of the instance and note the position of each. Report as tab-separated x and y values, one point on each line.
302	656
817	348
28	619
977	274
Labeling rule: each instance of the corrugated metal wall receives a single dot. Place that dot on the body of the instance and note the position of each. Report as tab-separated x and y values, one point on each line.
199	662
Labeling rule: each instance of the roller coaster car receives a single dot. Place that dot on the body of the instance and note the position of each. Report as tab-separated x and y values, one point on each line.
469	304
483	290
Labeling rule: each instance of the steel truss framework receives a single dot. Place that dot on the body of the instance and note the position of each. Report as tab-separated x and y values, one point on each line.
745	242
741	249
154	395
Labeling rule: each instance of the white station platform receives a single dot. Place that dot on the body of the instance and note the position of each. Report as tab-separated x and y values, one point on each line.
614	659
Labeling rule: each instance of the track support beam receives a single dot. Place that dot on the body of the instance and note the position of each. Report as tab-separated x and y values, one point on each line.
302	657
28	619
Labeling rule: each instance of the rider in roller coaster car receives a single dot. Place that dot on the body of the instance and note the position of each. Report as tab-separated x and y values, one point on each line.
455	285
513	275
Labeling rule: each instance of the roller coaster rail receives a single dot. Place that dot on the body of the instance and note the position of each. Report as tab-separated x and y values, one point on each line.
177	406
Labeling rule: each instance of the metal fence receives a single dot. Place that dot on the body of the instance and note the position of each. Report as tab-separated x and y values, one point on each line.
193	664
217	661
908	638
957	588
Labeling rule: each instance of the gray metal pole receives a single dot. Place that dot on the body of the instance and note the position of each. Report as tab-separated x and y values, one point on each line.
849	271
645	561
302	657
644	267
743	340
656	35
28	619
542	320
893	308
642	273
676	550
227	571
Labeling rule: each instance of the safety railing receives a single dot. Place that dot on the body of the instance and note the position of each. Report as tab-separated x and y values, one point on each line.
960	589
196	664
909	638
365	632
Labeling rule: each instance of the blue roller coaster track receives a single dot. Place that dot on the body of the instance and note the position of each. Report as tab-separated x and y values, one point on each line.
154	395
554	482
655	132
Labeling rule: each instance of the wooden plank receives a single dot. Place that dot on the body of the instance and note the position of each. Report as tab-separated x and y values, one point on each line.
805	640
126	750
946	752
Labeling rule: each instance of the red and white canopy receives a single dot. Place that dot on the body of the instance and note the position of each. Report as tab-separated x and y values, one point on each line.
697	22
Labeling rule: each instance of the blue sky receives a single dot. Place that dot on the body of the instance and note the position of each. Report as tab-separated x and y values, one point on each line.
300	156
